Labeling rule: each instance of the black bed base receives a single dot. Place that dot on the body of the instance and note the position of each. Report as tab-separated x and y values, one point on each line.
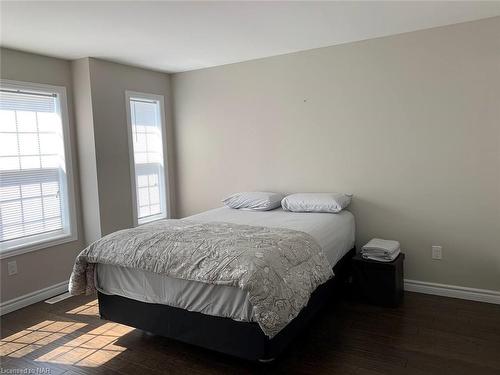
241	339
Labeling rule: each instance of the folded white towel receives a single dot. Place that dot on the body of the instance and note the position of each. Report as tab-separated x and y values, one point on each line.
382	258
378	252
377	246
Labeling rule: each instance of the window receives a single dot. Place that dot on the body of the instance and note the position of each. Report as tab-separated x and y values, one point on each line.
146	133
36	191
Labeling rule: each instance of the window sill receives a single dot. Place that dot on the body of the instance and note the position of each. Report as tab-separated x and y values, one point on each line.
152	219
37	245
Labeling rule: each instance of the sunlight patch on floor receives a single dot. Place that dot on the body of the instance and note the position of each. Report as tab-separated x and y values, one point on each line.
69	343
90	308
90	349
33	338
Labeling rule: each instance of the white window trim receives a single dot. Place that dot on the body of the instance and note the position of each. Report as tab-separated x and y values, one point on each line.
44	240
160	98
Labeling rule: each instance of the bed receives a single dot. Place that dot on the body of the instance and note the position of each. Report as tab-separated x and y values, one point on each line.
222	317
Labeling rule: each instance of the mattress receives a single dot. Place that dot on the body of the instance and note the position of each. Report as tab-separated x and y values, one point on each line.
333	232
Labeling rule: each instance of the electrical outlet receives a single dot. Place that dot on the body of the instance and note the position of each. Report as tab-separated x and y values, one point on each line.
437	252
12	268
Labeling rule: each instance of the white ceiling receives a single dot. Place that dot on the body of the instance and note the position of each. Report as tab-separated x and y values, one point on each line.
180	36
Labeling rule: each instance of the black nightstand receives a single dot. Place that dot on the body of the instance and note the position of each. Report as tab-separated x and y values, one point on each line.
379	283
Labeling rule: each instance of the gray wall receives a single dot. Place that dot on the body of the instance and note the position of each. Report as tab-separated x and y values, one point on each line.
49	266
103	144
86	150
408	123
108	82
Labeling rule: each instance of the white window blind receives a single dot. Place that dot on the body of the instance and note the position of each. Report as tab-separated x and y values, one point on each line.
146	125
34	199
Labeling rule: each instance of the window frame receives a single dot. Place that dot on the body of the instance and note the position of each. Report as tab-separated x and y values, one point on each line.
44	240
129	94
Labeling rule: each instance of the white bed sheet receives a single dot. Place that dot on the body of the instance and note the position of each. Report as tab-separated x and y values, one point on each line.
333	232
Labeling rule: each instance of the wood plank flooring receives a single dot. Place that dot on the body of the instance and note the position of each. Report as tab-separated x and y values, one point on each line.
426	335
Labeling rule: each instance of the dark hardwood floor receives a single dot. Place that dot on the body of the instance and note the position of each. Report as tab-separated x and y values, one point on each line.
426	335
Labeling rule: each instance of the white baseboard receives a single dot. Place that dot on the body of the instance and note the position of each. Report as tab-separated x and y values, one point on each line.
33	297
454	291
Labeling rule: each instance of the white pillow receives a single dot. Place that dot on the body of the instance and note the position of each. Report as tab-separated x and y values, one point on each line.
316	202
255	200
